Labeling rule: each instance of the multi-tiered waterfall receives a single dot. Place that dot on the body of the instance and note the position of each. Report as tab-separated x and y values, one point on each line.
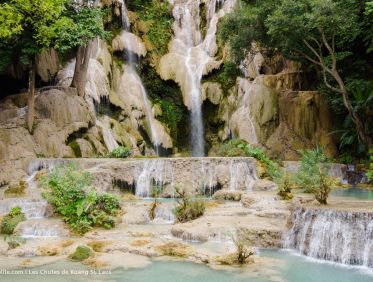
191	55
335	235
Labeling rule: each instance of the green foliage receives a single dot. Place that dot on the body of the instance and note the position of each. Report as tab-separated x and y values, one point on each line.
171	115
157	15
370	170
14	241
238	147
120	152
168	96
187	208
67	188
227	77
78	27
313	175
28	26
303	30
11	220
361	96
81	253
285	183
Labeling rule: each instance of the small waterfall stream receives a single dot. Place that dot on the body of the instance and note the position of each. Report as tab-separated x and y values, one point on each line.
202	176
339	236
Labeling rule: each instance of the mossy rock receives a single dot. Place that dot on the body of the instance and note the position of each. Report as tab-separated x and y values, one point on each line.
16	190
81	253
174	249
11	220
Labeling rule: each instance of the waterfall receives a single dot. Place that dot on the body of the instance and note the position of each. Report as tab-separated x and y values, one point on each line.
132	74
109	139
339	236
192	55
124	14
164	214
41	228
241	175
204	176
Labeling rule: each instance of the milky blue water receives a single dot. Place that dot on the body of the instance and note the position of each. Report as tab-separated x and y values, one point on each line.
356	193
290	268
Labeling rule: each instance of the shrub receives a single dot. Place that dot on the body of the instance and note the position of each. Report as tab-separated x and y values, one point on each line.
285	184
67	192
188	209
11	220
313	175
120	152
242	254
238	147
155	193
81	253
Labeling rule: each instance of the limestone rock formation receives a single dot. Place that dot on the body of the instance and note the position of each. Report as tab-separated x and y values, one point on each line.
130	42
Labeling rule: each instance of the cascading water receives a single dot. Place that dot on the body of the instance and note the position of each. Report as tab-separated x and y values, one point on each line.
240	174
134	77
340	236
109	140
194	53
204	176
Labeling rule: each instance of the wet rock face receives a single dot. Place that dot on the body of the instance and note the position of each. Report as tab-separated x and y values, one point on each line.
339	236
59	113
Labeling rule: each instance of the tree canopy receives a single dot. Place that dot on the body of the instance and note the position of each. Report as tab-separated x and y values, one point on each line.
331	37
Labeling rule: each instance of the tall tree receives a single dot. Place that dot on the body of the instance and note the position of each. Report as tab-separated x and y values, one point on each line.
321	33
29	26
76	32
25	31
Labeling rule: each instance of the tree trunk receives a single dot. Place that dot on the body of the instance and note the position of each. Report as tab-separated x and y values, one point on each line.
31	98
81	68
363	135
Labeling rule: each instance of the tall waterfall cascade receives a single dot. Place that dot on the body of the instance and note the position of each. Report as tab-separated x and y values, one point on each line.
334	235
132	79
191	56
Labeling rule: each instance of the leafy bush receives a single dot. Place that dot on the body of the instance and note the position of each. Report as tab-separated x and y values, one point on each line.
188	209
313	175
243	252
238	147
370	170
81	253
120	152
11	220
67	191
157	14
285	184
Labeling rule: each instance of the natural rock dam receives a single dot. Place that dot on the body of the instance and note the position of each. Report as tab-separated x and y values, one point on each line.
197	175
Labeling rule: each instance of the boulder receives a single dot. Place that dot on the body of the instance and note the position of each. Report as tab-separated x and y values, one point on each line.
264	185
228	195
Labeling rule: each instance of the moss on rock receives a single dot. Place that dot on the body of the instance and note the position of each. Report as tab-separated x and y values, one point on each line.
81	253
